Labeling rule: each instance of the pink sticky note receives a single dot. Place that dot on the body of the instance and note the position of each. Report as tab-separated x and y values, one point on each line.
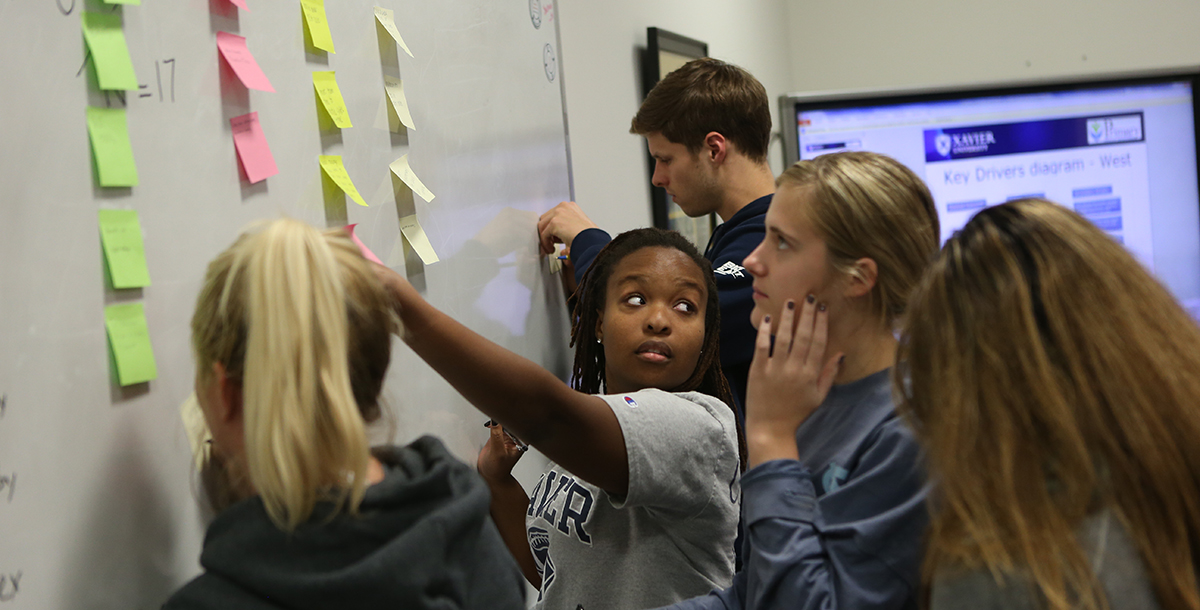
251	145
366	252
241	4
233	49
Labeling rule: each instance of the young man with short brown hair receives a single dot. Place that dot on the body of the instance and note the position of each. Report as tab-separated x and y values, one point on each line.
707	125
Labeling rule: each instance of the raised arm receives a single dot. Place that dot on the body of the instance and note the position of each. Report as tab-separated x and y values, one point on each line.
576	430
509	502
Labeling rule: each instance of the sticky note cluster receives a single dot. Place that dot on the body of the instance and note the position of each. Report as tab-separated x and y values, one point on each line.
248	137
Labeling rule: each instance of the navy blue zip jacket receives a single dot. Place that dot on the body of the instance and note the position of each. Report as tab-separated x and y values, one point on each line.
842	526
729	245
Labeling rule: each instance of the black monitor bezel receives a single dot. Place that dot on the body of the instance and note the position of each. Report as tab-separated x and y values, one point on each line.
793	104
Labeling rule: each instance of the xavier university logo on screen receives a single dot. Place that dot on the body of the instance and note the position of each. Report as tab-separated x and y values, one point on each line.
942	144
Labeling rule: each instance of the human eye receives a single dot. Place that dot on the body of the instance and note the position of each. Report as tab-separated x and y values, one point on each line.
781	243
635	299
686	307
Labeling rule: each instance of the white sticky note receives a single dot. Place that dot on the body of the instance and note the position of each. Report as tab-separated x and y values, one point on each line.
389	23
556	264
403	171
196	429
395	93
411	228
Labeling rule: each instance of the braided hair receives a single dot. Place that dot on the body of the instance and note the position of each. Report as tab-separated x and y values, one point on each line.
588	374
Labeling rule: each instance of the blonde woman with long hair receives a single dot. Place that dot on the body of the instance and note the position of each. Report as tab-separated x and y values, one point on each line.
292	339
834	500
1056	387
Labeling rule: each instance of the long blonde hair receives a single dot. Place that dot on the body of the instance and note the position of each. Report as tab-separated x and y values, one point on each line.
1049	376
867	205
298	319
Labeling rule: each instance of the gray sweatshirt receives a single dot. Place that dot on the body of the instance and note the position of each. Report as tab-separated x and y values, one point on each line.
1114	559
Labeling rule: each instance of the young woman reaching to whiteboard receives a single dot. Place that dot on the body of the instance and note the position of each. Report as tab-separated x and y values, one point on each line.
292	339
639	506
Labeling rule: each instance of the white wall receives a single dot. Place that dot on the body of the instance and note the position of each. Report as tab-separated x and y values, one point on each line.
819	45
856	44
602	75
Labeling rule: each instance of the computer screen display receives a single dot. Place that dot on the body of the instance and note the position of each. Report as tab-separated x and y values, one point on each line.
1121	153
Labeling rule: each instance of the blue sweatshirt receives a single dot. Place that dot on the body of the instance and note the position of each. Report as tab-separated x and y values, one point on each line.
729	245
842	526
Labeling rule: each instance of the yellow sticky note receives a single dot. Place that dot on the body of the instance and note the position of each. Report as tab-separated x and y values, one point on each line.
331	98
121	236
111	149
402	170
318	24
196	429
411	228
135	2
389	23
106	42
332	164
129	338
395	93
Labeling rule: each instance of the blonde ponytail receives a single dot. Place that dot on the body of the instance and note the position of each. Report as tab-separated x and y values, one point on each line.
297	318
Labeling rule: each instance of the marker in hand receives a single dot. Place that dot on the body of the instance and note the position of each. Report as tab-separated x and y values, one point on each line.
520	445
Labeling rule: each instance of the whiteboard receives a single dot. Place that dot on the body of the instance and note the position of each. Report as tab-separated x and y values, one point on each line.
97	500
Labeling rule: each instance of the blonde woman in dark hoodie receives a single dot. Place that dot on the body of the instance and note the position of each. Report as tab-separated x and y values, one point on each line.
292	339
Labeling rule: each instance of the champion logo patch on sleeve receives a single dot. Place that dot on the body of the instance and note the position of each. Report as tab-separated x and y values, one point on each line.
731	269
631	402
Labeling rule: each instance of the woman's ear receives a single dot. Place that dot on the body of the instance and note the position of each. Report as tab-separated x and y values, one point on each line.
600	327
861	279
228	406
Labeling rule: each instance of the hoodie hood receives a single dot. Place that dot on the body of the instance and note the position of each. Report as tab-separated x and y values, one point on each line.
423	538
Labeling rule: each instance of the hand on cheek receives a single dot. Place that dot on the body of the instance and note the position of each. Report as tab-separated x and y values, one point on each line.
787	382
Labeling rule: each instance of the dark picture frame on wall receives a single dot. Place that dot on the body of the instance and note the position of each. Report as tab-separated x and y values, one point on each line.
665	52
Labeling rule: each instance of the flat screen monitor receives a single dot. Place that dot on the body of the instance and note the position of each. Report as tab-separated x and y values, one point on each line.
1122	153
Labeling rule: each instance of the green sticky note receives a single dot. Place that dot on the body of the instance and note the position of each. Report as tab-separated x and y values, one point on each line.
121	236
317	24
129	338
111	148
106	42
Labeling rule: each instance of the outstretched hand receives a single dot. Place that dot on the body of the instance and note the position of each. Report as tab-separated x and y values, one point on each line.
396	286
499	456
788	381
561	224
